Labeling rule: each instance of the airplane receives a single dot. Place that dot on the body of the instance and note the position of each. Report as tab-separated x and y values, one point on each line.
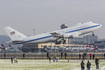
93	49
10	48
57	36
2	47
79	48
87	48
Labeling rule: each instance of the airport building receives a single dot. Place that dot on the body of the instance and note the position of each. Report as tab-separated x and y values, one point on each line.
89	39
43	47
100	43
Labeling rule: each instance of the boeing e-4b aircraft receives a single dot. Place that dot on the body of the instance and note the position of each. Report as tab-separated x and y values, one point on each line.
58	36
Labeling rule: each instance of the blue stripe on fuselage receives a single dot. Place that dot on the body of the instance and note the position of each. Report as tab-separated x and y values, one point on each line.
36	39
82	29
65	32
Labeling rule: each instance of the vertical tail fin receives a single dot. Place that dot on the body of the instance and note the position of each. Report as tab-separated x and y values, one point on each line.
2	45
95	48
13	34
10	46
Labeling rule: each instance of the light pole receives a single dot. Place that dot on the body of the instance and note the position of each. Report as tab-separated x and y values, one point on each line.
34	31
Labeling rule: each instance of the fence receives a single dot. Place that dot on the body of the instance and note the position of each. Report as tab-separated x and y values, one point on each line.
43	55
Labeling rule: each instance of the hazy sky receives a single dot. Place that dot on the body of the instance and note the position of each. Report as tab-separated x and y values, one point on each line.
48	15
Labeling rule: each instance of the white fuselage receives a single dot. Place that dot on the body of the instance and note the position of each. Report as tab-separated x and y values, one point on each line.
79	29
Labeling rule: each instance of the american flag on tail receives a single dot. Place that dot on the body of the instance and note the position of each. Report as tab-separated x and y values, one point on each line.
12	33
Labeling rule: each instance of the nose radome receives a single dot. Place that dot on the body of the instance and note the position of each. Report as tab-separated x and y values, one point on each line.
100	25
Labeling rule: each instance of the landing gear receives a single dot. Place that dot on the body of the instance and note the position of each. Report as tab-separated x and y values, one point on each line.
64	41
60	40
92	33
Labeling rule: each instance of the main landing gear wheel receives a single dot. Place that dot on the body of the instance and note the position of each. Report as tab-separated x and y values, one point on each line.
92	33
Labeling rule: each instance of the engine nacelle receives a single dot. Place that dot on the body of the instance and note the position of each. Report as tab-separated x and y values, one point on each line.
70	35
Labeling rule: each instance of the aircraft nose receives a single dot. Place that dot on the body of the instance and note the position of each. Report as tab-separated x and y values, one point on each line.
100	25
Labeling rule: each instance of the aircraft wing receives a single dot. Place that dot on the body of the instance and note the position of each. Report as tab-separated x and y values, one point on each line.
56	34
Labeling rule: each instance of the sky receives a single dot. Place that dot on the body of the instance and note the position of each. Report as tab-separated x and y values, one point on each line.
48	15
